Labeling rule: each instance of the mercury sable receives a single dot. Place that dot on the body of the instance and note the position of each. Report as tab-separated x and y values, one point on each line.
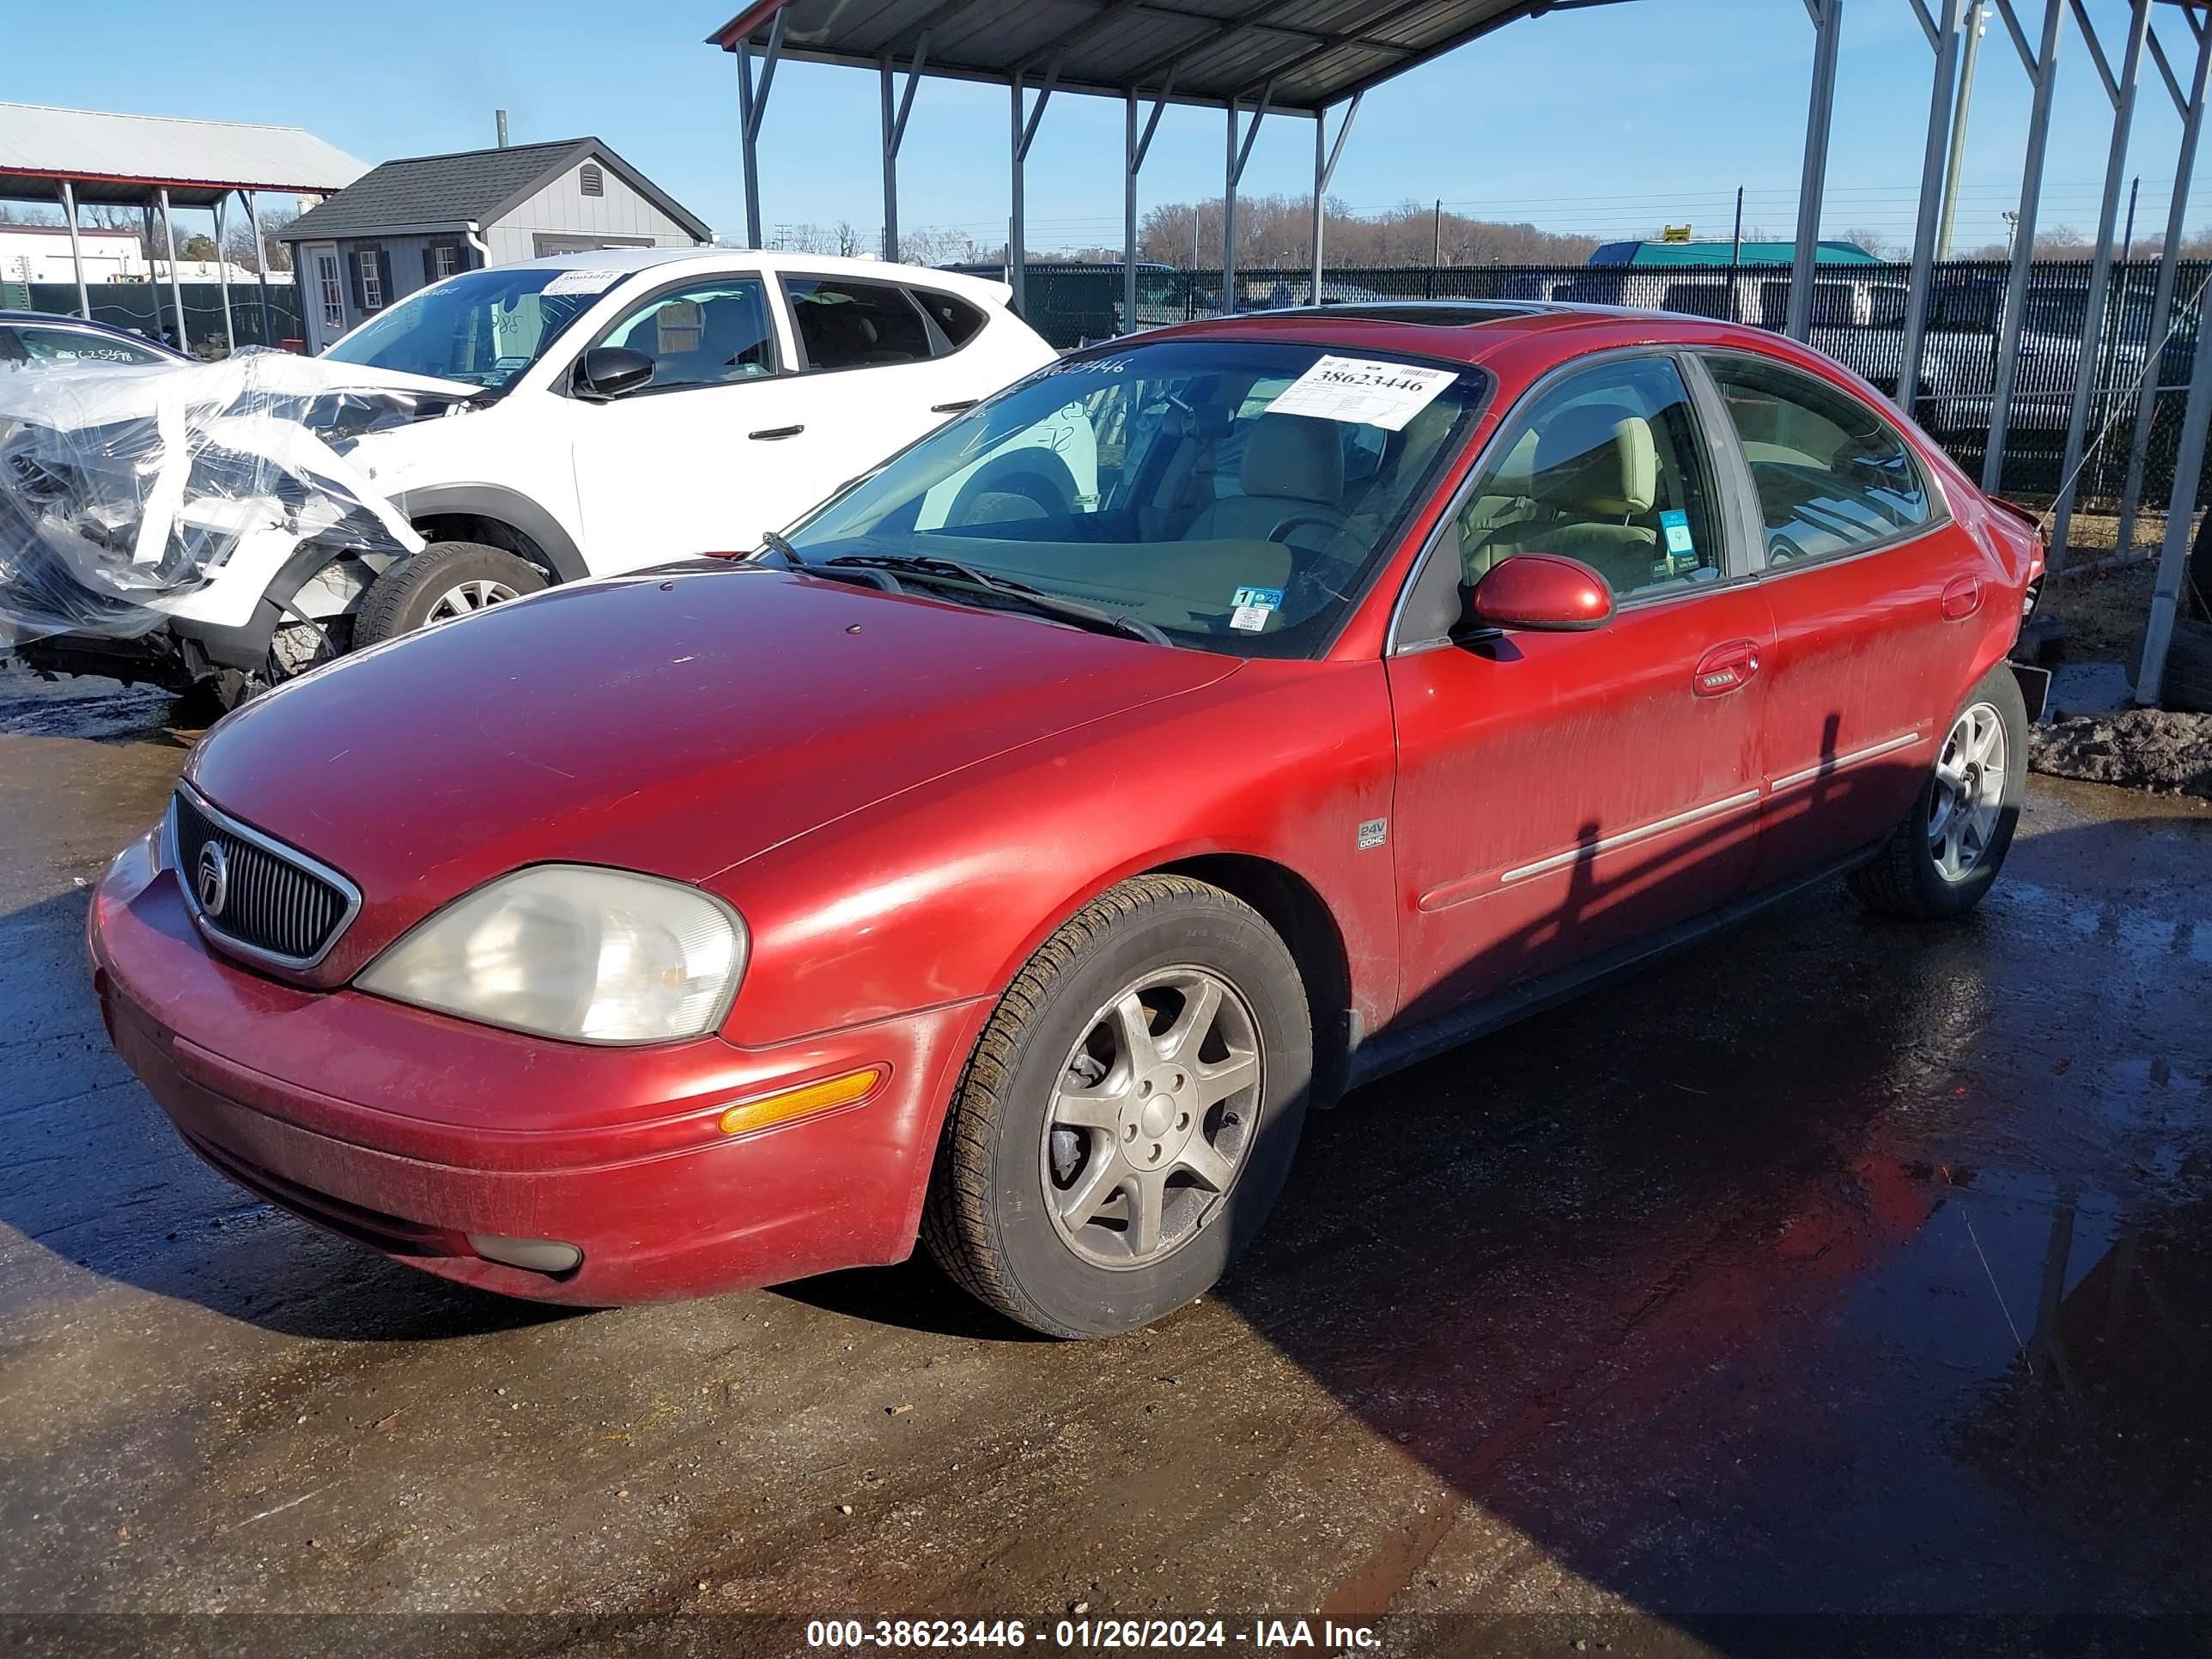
1014	882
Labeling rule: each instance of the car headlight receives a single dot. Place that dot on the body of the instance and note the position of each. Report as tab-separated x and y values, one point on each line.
574	952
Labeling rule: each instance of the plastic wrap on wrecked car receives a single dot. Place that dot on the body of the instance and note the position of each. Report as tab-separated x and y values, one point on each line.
123	486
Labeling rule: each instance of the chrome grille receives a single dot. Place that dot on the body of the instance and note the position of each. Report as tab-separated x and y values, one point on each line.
253	895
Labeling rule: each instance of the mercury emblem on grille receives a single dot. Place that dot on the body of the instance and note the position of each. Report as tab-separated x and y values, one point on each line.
212	878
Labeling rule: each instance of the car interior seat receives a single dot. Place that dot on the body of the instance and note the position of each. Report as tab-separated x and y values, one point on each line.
1292	467
1594	473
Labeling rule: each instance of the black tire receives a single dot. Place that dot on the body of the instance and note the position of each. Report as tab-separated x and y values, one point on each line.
986	1220
401	599
1903	879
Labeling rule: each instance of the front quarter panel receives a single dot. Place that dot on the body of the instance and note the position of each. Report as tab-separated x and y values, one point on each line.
942	893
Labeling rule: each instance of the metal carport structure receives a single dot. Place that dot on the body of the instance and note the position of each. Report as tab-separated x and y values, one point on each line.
71	156
1253	58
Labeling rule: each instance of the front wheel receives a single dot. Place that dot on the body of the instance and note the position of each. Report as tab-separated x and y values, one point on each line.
1944	856
446	582
1129	1114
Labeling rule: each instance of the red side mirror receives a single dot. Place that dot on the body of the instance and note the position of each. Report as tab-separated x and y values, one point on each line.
1540	590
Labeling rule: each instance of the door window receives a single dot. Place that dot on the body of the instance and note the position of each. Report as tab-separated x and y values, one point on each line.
326	278
1832	475
1608	467
845	324
711	333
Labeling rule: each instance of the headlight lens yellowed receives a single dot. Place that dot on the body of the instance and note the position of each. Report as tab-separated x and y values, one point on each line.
575	951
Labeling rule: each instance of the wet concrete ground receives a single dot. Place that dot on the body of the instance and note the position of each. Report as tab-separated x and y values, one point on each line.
1837	1268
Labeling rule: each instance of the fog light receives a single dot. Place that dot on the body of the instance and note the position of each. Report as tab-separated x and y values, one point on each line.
831	1091
537	1255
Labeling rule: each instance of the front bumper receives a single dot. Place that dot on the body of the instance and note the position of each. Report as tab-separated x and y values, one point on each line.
408	1130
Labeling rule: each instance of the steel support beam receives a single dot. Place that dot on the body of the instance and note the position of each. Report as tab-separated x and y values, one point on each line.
895	110
1827	20
222	278
1134	146
261	268
1232	175
1326	156
2161	303
176	284
2088	369
1969	54
2043	66
2180	510
1935	175
752	109
1024	134
76	249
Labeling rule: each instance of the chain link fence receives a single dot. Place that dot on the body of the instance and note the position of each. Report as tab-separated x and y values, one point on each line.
1858	318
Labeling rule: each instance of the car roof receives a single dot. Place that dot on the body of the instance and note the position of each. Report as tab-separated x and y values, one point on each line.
775	262
1480	331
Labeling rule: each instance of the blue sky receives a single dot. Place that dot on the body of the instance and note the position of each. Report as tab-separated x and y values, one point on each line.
1608	120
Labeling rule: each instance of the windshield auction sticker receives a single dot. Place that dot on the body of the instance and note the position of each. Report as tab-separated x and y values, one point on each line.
1360	389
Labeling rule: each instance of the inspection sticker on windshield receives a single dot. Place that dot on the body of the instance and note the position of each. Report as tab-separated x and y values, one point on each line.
1252	606
582	282
1360	389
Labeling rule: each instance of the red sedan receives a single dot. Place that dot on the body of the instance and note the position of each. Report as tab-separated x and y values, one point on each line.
1011	868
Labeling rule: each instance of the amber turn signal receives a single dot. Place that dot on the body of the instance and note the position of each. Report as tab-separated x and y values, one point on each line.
831	1091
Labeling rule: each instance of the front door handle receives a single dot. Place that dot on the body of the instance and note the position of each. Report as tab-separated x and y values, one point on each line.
1962	596
773	431
1725	668
954	407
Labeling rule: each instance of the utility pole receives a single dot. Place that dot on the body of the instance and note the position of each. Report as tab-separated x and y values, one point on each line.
1976	25
2012	230
1436	257
1735	250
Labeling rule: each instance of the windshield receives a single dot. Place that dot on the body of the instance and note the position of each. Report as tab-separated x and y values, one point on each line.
1173	485
483	326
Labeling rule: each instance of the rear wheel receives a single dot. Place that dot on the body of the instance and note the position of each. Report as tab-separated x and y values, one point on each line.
1945	855
1129	1115
445	581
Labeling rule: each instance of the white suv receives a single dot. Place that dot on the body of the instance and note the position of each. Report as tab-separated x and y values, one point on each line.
607	411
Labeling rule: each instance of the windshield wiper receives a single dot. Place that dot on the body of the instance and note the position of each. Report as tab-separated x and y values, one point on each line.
928	568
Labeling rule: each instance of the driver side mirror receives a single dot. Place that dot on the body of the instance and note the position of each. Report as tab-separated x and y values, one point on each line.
606	372
1542	591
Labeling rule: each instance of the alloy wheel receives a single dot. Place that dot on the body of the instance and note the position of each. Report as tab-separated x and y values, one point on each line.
468	597
1969	795
1153	1118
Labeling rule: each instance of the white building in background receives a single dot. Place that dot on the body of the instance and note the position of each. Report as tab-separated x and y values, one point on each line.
40	253
207	271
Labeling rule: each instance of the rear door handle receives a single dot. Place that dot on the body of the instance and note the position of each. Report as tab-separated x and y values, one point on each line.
773	431
1725	668
954	407
1962	596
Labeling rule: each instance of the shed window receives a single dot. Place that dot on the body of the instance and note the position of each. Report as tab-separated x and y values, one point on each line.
445	260
590	180
372	281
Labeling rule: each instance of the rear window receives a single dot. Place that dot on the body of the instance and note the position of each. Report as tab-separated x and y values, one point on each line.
957	318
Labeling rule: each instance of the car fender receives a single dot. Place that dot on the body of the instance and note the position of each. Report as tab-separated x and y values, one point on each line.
940	894
507	507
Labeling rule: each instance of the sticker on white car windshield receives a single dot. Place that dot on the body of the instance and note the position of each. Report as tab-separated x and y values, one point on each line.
1360	389
582	282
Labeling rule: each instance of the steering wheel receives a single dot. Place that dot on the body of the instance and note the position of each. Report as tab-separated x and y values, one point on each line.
1328	521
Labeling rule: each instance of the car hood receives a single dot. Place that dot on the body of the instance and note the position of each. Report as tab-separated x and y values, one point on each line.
676	722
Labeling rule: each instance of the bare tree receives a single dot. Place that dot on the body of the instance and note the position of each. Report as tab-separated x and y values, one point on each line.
1276	232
